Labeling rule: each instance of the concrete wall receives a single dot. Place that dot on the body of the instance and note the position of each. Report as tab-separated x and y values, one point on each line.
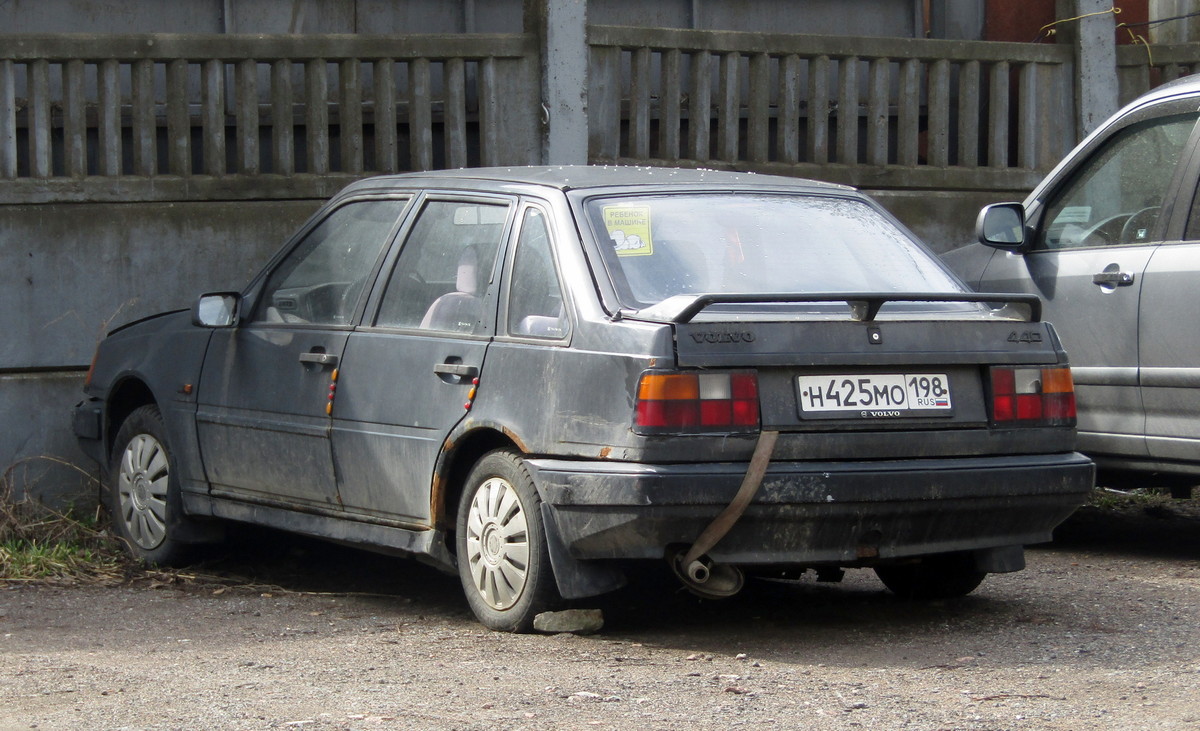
73	271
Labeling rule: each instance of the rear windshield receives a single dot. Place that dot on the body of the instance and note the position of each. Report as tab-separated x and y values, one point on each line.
659	246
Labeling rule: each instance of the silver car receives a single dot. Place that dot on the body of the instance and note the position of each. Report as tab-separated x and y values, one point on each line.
1110	241
535	376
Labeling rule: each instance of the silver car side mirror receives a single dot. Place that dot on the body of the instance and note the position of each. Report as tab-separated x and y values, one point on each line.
1002	226
218	309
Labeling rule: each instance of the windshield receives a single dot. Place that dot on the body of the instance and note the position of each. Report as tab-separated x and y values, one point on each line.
659	246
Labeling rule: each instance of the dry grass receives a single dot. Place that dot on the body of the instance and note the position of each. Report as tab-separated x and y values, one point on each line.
42	544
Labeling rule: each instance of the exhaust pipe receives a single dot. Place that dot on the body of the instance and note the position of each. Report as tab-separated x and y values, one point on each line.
706	579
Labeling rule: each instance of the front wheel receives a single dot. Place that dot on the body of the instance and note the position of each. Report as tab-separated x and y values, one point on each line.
503	561
143	494
935	577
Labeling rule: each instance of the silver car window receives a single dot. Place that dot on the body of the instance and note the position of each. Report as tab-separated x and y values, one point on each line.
1115	198
660	246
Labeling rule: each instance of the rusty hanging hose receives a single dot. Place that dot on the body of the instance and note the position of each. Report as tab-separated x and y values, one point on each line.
724	522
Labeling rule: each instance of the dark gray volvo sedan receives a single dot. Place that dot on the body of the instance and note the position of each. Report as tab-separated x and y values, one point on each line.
533	376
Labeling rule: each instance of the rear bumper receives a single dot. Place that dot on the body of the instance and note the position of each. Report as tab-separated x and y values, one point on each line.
808	513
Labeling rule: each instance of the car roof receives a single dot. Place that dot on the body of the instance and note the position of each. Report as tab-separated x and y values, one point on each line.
575	177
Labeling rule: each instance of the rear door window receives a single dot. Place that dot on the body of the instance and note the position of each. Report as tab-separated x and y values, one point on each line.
445	268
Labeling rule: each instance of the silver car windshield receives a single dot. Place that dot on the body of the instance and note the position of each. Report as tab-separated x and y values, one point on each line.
660	246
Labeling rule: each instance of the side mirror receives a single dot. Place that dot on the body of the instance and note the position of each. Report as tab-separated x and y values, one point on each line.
1002	226
218	309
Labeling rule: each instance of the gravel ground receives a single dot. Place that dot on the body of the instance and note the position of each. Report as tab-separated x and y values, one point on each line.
1100	631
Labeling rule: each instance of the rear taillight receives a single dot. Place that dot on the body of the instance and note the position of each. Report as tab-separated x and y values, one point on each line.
1032	397
672	403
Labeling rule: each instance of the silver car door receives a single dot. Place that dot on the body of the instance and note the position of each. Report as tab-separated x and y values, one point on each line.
1170	348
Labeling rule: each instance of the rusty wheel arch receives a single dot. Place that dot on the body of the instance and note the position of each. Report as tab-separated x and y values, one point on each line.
459	454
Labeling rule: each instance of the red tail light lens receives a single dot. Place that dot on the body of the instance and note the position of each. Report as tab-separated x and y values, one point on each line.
1032	397
672	403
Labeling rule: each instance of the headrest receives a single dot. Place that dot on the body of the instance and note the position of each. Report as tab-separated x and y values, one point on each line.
468	271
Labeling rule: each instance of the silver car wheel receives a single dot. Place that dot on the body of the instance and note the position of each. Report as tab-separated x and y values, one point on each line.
142	491
497	543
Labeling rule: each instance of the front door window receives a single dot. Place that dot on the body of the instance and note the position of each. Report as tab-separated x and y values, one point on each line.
1115	199
320	281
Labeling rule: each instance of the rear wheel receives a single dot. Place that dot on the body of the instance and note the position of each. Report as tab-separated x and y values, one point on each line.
936	577
143	494
503	561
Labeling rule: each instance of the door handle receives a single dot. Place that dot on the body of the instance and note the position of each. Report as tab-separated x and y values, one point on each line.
456	369
1113	279
321	359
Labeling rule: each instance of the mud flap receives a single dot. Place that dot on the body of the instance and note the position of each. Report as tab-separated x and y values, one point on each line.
577	579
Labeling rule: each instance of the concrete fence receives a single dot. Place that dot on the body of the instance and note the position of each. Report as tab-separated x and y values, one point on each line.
877	113
205	117
1140	67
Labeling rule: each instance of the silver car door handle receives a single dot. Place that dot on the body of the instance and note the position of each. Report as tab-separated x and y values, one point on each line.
456	369
323	359
1113	279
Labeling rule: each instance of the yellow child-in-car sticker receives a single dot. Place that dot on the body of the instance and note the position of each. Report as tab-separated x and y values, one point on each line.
629	229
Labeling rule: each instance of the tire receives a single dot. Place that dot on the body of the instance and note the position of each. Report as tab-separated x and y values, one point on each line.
500	543
935	577
143	495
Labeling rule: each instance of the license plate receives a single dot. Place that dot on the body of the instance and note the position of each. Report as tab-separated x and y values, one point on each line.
876	395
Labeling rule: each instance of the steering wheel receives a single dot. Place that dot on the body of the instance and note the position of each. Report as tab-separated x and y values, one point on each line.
1142	220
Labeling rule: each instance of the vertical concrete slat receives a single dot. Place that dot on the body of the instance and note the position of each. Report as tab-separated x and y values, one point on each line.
908	126
1027	116
878	114
968	114
41	162
669	106
604	104
847	111
998	116
818	110
179	123
788	138
758	124
639	104
350	125
939	113
110	117
316	115
74	120
385	115
489	133
283	134
420	115
455	114
212	115
145	127
8	119
729	107
700	107
247	116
